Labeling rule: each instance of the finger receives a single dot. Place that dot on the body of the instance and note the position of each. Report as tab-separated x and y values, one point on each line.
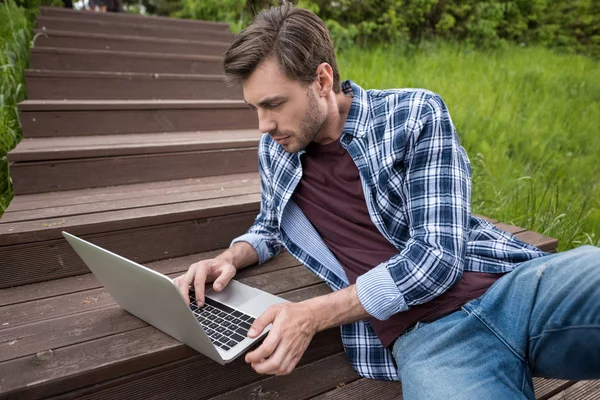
225	277
183	285
199	282
273	365
265	349
263	321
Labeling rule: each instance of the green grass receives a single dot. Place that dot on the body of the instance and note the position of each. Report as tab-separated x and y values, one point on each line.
528	119
15	37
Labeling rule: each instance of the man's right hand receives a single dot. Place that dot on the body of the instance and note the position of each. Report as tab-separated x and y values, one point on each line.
202	272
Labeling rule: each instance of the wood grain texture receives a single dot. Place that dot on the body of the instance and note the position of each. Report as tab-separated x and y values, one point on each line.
302	383
95	85
103	41
133	29
125	18
123	350
584	390
123	61
51	120
49	176
76	147
53	259
195	377
155	197
213	206
139	190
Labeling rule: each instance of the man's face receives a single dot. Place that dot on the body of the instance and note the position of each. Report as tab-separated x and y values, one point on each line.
287	110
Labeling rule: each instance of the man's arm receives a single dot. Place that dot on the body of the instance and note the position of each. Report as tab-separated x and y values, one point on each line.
435	192
264	235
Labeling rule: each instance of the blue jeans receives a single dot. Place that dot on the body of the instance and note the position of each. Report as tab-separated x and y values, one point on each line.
542	319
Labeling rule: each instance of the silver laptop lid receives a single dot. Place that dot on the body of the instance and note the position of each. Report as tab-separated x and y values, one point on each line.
146	294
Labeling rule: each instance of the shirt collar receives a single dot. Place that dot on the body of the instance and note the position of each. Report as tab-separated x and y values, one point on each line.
359	113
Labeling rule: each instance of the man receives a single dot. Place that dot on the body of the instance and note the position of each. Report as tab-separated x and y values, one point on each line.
371	191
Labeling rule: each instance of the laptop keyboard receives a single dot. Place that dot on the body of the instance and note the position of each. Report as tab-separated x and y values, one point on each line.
225	326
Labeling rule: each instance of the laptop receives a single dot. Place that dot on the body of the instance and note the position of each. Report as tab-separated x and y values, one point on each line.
218	329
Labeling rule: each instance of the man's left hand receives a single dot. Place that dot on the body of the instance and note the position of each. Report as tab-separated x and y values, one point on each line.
293	329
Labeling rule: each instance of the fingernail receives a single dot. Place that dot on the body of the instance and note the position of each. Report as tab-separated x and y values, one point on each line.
252	332
218	286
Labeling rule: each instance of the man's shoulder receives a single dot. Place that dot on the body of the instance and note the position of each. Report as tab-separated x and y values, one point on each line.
390	100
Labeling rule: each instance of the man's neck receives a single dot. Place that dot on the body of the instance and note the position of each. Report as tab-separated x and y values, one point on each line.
339	106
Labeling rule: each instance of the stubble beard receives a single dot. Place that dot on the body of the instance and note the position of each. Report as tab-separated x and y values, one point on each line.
309	126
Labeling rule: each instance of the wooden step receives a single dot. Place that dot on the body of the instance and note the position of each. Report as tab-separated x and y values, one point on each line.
48	118
58	85
52	319
98	41
64	163
145	222
132	29
137	19
78	147
123	61
48	327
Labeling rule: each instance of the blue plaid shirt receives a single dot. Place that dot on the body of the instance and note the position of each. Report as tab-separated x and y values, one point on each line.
416	179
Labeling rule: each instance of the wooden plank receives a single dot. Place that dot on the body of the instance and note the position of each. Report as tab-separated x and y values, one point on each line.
195	377
542	242
123	61
57	85
86	282
509	228
78	365
546	388
73	147
20	264
57	175
102	41
174	196
365	389
132	29
45	324
139	190
90	295
132	18
36	231
129	105
70	119
302	383
584	390
69	368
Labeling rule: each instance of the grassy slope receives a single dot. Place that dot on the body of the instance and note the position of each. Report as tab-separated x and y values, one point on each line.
528	119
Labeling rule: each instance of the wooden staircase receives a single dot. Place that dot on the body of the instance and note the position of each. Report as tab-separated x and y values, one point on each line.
133	142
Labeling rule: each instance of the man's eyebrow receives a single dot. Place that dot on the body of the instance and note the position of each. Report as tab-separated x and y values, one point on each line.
271	100
268	101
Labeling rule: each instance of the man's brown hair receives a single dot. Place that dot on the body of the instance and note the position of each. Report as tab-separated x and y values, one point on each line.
295	37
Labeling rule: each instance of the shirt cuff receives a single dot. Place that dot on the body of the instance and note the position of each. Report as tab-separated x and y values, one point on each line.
378	293
259	244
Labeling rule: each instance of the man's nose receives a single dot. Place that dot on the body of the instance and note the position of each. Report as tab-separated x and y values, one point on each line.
265	122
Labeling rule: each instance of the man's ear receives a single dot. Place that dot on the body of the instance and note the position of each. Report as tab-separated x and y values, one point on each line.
324	79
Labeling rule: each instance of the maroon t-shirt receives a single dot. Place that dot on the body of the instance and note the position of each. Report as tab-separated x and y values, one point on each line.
331	196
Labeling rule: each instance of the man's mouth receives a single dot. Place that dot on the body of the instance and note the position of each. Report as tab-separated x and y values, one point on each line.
281	139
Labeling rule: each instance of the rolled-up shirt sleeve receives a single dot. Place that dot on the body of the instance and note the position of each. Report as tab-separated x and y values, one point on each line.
436	188
264	234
